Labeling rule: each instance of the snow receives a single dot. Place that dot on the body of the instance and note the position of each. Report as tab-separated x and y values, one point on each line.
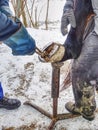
28	79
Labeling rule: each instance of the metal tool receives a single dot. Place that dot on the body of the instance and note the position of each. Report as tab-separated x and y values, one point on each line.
55	84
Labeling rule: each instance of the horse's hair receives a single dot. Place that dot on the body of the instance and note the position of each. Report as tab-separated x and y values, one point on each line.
73	43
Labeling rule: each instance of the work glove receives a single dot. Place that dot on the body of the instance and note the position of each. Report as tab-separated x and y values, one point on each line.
68	17
52	53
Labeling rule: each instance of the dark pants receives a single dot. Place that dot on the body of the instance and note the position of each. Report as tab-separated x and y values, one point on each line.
85	75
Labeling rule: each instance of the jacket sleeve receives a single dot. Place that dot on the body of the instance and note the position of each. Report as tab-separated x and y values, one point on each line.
4	2
12	34
15	36
95	9
7	26
69	4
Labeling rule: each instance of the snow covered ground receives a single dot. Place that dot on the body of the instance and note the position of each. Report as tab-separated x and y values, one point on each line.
26	78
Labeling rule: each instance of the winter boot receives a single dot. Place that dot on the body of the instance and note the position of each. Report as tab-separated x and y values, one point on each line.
70	106
9	104
75	110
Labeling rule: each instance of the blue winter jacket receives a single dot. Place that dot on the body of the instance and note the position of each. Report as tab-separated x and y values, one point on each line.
21	43
7	26
4	2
